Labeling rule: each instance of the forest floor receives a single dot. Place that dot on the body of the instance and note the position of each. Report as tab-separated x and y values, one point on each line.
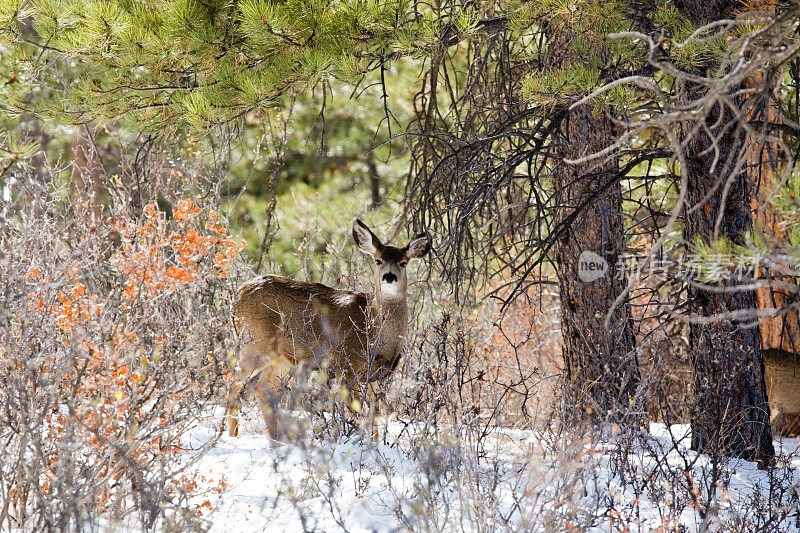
497	480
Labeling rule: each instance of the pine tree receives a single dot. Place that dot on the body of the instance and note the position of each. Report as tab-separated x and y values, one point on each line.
730	414
601	369
163	65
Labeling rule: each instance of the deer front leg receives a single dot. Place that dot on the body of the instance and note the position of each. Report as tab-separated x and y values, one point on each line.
376	400
366	414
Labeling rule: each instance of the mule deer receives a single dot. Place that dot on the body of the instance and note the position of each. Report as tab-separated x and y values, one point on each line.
356	336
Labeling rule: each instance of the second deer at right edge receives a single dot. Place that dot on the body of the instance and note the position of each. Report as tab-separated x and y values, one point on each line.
287	323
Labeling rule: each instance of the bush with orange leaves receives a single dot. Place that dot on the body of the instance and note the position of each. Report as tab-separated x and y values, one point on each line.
114	337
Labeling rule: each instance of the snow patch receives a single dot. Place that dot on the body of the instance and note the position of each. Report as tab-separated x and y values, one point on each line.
504	480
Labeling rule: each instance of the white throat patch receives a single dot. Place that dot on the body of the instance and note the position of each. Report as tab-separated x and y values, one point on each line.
391	291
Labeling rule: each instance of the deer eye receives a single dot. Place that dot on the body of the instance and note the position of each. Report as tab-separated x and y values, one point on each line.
378	262
403	264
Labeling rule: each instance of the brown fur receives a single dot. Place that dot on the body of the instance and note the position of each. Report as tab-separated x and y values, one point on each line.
288	323
782	375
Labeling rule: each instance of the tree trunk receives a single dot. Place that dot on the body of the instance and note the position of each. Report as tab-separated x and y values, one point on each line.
767	164
601	372
730	415
374	182
766	167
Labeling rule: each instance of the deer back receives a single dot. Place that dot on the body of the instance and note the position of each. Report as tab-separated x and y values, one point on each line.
305	323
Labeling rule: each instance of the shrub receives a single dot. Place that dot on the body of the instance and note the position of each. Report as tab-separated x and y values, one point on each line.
114	336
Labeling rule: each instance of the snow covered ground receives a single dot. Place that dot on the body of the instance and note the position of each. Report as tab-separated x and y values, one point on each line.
415	480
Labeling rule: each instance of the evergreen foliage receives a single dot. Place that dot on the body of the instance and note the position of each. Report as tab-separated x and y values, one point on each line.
163	64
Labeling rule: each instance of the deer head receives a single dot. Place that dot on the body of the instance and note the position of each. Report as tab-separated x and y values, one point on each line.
390	275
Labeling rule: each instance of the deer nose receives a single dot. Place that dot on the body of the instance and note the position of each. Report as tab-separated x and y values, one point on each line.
389	278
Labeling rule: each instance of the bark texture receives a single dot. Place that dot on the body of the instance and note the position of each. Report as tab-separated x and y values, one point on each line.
601	373
767	163
730	414
766	168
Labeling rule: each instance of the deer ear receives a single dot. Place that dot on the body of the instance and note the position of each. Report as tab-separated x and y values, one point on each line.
419	246
366	241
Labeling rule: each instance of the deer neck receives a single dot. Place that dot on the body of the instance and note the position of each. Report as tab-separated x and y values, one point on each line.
389	308
390	318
